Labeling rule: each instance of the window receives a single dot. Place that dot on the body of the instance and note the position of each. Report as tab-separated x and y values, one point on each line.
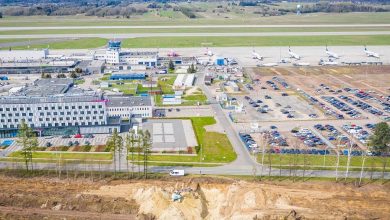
21	109
41	114
66	107
53	108
14	109
24	114
28	109
48	113
39	108
73	107
30	114
55	113
60	107
46	108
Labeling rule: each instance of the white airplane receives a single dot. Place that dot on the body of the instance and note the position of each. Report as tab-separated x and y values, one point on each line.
268	64
257	56
331	54
301	64
293	55
208	52
370	53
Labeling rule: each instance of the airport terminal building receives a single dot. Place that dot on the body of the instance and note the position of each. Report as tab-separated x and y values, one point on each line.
57	107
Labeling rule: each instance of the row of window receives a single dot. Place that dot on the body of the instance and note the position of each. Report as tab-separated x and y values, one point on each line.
127	109
56	124
51	107
16	120
52	113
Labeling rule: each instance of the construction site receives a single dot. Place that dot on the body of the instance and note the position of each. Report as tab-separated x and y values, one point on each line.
91	197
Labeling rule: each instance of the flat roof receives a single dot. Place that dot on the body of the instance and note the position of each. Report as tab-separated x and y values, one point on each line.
128	101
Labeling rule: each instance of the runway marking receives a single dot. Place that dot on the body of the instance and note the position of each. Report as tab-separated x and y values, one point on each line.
348	76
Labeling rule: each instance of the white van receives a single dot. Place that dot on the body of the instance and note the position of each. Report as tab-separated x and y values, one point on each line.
176	173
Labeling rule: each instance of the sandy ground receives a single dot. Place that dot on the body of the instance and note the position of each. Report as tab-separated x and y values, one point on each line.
203	198
228	199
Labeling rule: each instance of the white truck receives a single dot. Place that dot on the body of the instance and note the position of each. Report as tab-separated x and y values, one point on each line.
176	173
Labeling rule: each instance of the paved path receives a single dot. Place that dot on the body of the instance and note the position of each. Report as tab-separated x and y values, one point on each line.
134	35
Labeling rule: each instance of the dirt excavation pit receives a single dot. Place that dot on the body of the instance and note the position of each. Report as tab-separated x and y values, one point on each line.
202	198
248	200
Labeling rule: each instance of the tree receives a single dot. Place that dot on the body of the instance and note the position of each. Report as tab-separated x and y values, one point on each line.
380	142
146	148
191	69
61	75
115	145
1	15
130	146
28	141
73	75
78	70
139	147
171	65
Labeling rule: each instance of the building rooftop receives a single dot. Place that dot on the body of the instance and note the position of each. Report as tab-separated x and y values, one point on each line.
128	101
51	90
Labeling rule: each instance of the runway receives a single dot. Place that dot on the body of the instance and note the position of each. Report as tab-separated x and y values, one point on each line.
191	26
135	35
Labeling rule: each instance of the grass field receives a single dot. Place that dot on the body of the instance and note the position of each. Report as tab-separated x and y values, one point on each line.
127	88
174	42
193	30
317	161
177	42
82	43
216	146
239	18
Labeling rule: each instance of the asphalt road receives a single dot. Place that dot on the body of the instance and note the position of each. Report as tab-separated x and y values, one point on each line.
243	157
75	35
191	26
221	170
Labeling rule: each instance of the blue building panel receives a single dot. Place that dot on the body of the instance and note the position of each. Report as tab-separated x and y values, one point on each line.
130	76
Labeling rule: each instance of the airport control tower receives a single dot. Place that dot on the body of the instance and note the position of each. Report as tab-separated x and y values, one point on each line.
114	45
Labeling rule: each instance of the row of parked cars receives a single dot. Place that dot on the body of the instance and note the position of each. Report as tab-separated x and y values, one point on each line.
328	110
272	84
248	140
275	138
362	105
281	81
308	137
332	133
357	132
299	151
342	106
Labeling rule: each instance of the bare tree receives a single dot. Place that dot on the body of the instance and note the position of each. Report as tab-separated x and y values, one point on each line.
139	146
146	147
115	144
130	146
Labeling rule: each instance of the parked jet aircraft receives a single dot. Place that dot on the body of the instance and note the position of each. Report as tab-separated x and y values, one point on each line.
331	54
257	56
172	53
208	52
293	55
370	53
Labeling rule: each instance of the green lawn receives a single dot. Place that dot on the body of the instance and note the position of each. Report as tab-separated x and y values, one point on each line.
318	160
126	88
194	30
79	81
166	85
169	42
82	43
75	156
235	18
216	146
